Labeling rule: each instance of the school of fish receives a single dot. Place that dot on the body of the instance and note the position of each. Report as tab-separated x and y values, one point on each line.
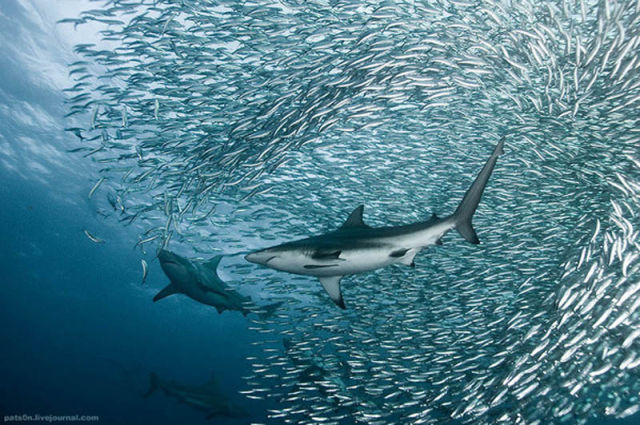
224	127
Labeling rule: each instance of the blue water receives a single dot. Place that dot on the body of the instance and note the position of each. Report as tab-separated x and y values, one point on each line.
79	331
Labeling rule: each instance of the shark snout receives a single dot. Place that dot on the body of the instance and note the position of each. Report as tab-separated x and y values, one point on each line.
165	256
175	267
260	257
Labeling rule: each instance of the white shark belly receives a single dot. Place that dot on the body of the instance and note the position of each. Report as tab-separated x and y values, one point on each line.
365	260
351	262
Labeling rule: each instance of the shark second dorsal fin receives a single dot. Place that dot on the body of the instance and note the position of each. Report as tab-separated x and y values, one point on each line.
331	284
213	262
355	218
170	289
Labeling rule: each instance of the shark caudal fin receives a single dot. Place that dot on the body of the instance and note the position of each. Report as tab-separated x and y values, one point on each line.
469	204
153	385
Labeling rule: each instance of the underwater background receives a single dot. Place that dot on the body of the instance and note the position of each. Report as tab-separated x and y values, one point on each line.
213	128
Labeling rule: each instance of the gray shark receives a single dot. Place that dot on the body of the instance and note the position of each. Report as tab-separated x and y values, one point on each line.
208	398
358	248
200	281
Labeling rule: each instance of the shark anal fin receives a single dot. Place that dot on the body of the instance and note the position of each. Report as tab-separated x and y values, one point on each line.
170	289
355	218
331	284
326	255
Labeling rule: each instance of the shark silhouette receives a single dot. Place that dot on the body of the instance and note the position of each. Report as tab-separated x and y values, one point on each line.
358	248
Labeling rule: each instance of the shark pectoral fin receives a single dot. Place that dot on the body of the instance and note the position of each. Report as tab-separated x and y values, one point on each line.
355	218
170	289
331	284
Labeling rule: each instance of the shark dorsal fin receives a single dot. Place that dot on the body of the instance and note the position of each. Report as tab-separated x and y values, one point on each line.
213	263
355	218
331	284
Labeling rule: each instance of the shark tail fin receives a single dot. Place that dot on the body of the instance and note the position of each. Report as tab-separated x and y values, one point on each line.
469	204
269	310
153	385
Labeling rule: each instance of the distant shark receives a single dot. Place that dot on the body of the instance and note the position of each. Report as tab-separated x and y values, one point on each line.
200	281
207	398
357	248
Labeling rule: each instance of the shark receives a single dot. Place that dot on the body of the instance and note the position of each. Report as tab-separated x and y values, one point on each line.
200	281
208	397
358	248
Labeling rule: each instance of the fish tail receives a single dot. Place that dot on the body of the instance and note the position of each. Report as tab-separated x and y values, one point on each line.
469	204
